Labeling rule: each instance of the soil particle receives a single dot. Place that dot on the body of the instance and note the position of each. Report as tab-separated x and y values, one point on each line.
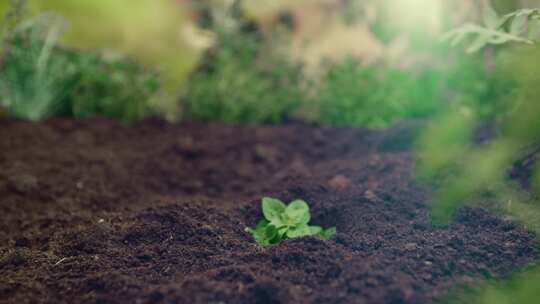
22	183
155	213
339	182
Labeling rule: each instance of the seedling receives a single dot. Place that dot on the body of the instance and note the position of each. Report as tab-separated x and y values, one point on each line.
285	221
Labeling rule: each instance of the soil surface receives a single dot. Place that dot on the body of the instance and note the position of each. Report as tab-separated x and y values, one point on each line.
94	211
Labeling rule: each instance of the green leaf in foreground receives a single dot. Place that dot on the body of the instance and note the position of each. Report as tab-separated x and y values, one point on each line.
328	233
264	233
285	221
297	213
272	209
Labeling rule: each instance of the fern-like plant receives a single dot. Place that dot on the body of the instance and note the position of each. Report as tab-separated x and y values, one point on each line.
522	26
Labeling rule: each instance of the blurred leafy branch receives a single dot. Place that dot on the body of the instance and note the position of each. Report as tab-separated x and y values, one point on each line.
520	26
468	168
499	171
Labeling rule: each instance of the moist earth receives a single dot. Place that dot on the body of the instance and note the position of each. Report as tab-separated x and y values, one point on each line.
95	211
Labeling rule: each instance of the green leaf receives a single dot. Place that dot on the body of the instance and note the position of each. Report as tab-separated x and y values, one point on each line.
299	231
478	43
491	18
297	213
328	233
518	24
265	233
259	232
261	225
499	40
282	231
458	38
272	209
271	235
259	228
455	36
534	30
314	230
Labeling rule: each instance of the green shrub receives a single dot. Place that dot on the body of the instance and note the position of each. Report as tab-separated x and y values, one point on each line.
245	77
40	79
376	96
239	83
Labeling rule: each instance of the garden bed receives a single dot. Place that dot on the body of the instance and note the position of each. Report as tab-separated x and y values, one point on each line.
94	211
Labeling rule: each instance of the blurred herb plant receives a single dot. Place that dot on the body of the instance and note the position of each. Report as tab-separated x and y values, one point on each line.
375	96
40	79
285	221
242	78
378	95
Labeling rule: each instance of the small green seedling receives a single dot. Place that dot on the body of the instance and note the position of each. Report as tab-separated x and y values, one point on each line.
285	221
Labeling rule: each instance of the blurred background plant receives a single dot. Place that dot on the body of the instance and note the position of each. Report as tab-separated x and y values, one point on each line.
506	116
40	79
243	78
486	154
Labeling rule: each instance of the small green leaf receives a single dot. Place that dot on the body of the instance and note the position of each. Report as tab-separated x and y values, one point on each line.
266	235
518	24
328	233
534	30
314	230
262	224
259	227
279	222
299	231
478	43
270	233
491	18
259	232
272	208
297	213
282	231
458	38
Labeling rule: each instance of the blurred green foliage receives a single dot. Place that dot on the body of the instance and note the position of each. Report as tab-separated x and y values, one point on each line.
40	79
243	79
376	96
522	289
379	95
240	87
152	32
465	168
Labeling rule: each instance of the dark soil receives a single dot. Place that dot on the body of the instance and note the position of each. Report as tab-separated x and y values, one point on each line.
94	211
